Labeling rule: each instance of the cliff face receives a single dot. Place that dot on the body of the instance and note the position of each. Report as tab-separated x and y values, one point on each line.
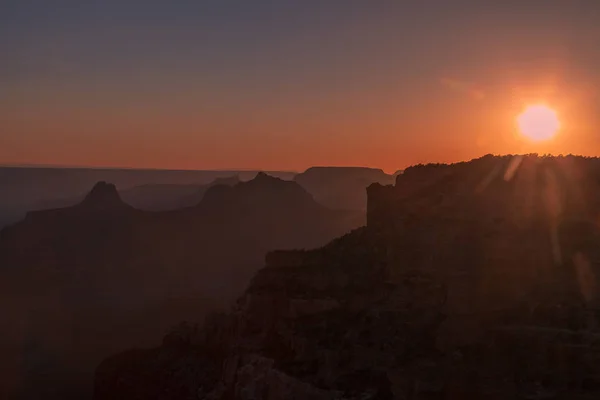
474	280
537	214
304	329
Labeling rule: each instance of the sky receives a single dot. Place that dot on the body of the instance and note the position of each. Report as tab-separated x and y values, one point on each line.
282	84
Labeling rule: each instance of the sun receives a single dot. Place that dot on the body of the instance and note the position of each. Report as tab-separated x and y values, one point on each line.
538	122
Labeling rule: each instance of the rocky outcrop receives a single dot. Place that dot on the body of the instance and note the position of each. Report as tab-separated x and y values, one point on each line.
102	196
330	329
149	197
254	377
471	281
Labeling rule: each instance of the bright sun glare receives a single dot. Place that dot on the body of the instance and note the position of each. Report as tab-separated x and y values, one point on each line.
538	122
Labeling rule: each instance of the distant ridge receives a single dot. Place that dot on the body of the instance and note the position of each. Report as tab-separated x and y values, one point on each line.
263	190
342	187
116	276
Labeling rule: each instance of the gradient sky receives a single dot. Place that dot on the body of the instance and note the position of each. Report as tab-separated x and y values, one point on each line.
282	84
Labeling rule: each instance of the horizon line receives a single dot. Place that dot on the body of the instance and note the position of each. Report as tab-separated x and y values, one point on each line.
66	166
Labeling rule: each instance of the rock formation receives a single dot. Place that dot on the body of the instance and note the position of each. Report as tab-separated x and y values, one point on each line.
103	196
83	282
25	189
474	280
152	197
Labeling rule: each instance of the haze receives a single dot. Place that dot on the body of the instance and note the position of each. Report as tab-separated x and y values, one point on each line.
299	199
286	85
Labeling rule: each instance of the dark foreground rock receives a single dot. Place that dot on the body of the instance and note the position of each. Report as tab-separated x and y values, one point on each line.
471	281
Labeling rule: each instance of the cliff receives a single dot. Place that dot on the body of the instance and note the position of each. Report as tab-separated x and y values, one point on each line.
475	280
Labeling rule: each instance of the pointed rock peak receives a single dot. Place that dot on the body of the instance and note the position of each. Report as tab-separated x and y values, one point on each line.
265	181
264	178
262	175
103	195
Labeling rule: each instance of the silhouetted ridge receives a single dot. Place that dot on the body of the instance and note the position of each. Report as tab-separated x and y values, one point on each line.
263	175
341	187
103	196
473	280
91	278
265	180
102	199
263	190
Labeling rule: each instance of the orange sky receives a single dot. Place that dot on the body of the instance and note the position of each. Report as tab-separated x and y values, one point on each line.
295	86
